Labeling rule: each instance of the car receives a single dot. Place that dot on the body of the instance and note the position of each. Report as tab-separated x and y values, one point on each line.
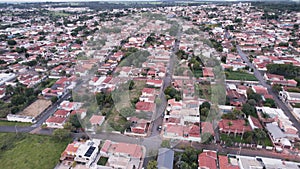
159	128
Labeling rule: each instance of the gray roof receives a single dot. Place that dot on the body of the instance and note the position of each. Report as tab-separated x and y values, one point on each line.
165	158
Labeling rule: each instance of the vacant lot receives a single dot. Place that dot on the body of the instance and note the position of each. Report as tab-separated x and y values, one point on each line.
36	108
29	151
240	76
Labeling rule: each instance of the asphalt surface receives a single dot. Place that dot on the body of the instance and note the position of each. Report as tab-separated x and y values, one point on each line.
278	101
44	116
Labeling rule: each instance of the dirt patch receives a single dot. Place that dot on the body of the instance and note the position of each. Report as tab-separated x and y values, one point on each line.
36	108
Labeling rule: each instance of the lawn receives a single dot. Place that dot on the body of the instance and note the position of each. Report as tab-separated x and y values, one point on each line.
231	75
11	123
29	151
229	139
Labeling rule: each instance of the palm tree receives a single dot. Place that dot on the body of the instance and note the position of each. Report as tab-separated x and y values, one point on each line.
259	134
229	125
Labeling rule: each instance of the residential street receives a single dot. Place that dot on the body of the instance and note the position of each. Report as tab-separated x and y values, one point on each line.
278	102
40	121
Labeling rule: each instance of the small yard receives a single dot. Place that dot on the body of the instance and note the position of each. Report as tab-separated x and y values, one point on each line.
19	151
247	138
238	75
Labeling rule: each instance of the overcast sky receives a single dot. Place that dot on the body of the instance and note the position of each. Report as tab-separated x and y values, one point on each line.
12	1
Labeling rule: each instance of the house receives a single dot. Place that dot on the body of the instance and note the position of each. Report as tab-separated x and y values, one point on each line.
207	160
148	92
235	98
80	112
56	122
69	153
138	126
224	163
97	120
233	126
254	123
208	72
87	152
280	80
122	155
155	83
165	158
69	106
145	107
62	113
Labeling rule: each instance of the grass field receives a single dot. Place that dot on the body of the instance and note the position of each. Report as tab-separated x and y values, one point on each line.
230	75
11	123
29	151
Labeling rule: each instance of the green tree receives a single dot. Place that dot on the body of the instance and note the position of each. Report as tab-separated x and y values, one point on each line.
54	99
11	42
249	110
152	164
73	119
131	84
206	138
61	134
127	111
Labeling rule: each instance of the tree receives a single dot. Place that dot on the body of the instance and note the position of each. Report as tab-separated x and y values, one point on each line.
131	84
206	138
61	134
54	99
152	164
11	42
69	126
270	103
127	111
249	110
259	134
205	105
73	119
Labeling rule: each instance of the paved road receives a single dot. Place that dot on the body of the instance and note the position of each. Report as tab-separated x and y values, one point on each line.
278	102
246	152
158	115
39	122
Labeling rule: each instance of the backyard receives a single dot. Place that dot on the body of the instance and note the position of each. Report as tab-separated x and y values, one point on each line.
239	75
33	151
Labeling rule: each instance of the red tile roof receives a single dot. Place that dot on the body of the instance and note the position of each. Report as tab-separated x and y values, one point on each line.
61	113
237	126
208	160
224	164
145	106
96	119
54	119
256	122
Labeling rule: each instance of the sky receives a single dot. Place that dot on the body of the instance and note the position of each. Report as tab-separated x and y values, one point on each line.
16	1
